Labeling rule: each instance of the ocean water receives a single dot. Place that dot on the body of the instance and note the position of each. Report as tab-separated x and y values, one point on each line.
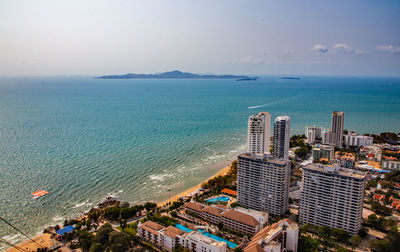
83	139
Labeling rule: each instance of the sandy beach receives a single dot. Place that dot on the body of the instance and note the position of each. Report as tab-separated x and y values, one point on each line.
44	240
194	188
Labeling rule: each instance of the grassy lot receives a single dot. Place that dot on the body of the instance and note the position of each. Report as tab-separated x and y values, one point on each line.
129	229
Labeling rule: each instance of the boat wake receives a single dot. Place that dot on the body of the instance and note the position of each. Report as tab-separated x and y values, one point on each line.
275	102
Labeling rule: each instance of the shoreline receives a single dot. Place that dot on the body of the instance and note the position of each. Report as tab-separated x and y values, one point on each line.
45	239
187	192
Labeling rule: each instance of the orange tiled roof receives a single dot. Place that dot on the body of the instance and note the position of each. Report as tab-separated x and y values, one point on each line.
212	210
194	206
262	233
240	217
172	231
153	225
378	196
229	191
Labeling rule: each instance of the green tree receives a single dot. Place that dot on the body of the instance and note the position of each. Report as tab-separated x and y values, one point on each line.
363	232
355	241
96	247
120	242
340	234
308	244
102	235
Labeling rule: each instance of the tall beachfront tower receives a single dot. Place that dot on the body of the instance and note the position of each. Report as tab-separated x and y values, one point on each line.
263	183
333	197
337	128
258	133
281	137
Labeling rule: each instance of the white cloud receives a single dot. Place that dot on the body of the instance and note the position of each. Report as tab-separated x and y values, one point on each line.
320	48
389	48
344	48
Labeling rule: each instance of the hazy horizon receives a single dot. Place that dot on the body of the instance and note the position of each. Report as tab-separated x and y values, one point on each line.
91	38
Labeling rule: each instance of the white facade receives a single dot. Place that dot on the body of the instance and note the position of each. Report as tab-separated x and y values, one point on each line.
281	236
313	134
337	128
332	197
263	183
391	165
197	242
354	140
282	137
168	238
327	137
258	133
261	217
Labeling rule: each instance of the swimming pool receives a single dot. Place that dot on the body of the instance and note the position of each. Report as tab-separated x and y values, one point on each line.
219	199
217	238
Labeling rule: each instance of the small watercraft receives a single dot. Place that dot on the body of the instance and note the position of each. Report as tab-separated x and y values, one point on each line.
39	194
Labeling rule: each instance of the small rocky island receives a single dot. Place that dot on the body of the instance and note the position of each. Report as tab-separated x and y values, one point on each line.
175	75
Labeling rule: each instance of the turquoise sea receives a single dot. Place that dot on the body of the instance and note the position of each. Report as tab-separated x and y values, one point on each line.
83	139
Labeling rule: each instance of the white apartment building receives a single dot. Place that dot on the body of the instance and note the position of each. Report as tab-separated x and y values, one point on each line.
327	137
258	133
337	128
263	183
322	151
333	197
391	165
168	238
281	236
353	140
197	242
282	137
313	134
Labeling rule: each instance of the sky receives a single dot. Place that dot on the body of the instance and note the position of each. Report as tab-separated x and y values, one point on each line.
297	37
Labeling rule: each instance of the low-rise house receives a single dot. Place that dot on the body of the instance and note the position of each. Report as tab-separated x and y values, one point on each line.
281	236
373	152
346	160
379	198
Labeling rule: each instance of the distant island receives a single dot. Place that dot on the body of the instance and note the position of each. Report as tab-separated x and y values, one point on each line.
248	79
290	78
175	75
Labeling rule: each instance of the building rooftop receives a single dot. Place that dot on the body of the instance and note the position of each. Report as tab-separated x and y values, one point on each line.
267	233
153	225
240	217
229	191
212	210
198	236
172	231
195	206
335	170
264	158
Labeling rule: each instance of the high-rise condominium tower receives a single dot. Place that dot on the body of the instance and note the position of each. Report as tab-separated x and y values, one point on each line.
258	133
337	128
332	197
263	183
281	137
